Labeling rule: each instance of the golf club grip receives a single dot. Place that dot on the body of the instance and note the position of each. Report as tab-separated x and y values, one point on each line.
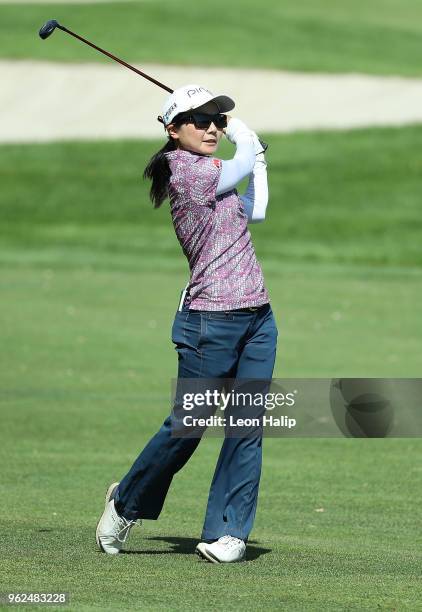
263	144
146	76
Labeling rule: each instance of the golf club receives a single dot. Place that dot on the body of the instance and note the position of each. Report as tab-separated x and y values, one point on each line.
49	27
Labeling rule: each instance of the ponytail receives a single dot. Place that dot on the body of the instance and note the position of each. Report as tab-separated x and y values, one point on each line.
158	171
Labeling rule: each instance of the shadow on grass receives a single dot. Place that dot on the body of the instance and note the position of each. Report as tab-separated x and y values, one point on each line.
186	546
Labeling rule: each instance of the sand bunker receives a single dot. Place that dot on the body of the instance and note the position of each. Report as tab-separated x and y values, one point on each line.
43	101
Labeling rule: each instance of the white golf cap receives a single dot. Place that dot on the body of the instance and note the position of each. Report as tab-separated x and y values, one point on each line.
190	97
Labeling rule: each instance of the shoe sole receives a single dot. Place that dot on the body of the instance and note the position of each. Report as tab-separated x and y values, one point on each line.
109	493
208	556
204	554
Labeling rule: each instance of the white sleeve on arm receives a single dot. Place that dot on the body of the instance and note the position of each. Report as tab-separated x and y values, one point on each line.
255	198
236	169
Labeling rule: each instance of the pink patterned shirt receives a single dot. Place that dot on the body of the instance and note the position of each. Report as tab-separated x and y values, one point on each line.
213	233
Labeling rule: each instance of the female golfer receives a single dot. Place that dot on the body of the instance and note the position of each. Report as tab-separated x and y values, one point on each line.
224	326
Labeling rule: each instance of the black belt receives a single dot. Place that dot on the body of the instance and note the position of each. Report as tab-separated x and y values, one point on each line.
248	309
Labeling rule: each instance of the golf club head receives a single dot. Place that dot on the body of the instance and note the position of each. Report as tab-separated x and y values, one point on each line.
48	28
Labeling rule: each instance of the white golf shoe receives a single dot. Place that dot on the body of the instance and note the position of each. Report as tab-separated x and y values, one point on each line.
226	549
112	529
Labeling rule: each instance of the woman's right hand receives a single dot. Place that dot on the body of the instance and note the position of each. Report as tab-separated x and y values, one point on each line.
236	129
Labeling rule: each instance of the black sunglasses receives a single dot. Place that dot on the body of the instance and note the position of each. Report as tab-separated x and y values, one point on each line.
202	121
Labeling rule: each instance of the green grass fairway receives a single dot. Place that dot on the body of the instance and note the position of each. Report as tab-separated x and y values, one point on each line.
380	36
90	278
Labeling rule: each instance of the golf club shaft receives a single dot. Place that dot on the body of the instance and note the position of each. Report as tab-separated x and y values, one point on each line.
146	76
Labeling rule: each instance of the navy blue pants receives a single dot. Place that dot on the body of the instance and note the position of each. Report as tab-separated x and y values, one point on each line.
231	344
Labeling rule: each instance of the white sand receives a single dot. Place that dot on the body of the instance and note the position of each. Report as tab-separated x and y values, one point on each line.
43	101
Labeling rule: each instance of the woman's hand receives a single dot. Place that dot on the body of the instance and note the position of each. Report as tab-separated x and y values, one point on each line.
236	129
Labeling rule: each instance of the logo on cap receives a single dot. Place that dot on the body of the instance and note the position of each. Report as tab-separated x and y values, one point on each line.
197	90
169	111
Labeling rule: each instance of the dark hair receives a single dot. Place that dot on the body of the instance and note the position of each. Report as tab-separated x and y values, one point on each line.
158	170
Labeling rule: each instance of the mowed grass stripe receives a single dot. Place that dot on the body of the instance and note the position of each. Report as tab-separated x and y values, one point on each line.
107	330
351	197
380	37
